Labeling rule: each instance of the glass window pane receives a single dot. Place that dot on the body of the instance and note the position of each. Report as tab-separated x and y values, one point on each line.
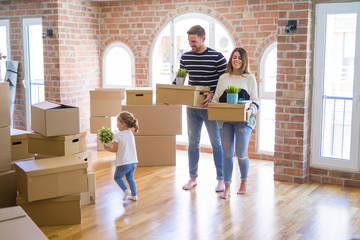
223	42
338	85
118	67
3	50
267	133
36	62
270	71
161	58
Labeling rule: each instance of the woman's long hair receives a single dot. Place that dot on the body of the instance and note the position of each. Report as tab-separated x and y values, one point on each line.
245	68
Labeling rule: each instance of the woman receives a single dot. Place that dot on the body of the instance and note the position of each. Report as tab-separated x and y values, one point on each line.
236	135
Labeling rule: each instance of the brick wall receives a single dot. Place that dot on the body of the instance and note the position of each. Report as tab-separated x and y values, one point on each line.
83	30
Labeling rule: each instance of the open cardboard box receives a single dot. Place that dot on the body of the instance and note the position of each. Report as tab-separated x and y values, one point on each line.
178	94
54	119
228	112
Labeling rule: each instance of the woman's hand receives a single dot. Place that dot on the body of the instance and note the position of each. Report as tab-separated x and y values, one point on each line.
249	111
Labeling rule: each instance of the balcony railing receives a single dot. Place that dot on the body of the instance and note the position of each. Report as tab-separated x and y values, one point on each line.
336	127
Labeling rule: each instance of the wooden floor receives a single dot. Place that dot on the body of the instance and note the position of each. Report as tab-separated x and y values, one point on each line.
270	210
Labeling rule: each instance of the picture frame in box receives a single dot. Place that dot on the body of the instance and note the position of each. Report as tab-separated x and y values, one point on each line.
178	94
228	112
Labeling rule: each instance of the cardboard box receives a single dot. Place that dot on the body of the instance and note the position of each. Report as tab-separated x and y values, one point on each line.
4	104
54	119
177	94
15	224
96	123
156	150
106	102
228	112
57	146
8	189
54	211
89	197
19	144
5	149
85	156
157	119
139	97
51	177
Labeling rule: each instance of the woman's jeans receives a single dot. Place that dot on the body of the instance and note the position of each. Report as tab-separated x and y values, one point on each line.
195	119
235	135
127	170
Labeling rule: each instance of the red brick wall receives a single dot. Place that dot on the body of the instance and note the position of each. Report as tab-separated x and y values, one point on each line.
293	92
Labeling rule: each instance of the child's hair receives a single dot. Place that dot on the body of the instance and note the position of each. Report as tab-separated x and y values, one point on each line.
129	120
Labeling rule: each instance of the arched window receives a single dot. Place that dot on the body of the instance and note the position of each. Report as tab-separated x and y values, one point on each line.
267	89
118	66
172	42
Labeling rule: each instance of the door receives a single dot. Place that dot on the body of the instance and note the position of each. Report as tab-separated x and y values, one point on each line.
336	88
33	65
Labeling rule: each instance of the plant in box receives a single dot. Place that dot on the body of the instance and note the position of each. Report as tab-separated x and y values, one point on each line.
180	76
232	94
105	135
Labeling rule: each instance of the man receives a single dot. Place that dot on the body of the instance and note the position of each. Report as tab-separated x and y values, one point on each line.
204	66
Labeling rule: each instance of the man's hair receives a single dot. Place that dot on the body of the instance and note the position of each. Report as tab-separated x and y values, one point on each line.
198	30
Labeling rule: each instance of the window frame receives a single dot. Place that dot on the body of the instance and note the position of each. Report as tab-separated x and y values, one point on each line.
6	23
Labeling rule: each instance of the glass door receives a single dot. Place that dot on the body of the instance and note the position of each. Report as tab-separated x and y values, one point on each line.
33	65
336	90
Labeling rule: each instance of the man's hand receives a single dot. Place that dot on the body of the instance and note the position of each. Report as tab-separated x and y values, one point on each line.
208	97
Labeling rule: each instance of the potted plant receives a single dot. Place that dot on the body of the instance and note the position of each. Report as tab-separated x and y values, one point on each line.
180	76
232	94
105	136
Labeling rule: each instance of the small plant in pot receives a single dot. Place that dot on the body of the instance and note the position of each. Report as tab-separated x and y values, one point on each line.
106	136
232	94
180	76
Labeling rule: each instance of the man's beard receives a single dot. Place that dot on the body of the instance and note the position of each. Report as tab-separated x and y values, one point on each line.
197	49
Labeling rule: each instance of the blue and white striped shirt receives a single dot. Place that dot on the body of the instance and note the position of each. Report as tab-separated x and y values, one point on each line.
205	68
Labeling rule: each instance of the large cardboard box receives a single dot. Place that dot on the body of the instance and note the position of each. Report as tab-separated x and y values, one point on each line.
7	189
19	144
157	119
4	104
51	177
57	146
228	112
156	150
106	102
96	123
177	94
139	97
54	211
5	149
89	196
54	119
15	224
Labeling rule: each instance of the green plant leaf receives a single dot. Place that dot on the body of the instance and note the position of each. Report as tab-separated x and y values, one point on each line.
105	135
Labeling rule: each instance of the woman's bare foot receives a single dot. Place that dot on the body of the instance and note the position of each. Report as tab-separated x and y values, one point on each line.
190	184
226	192
220	187
242	189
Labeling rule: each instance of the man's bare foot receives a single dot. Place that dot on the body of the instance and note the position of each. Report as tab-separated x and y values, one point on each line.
220	186
190	184
226	192
242	189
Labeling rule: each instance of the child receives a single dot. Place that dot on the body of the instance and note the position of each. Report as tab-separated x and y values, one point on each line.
126	157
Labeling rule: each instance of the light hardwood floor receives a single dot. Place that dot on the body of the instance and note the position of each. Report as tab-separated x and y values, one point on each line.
270	210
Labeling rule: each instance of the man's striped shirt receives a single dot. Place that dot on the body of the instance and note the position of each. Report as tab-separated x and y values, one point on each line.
205	68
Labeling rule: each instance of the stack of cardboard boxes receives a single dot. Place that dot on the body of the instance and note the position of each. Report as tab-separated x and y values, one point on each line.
50	184
105	105
7	175
158	127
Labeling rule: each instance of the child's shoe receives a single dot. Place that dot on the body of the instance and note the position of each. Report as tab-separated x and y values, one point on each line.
133	198
127	193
